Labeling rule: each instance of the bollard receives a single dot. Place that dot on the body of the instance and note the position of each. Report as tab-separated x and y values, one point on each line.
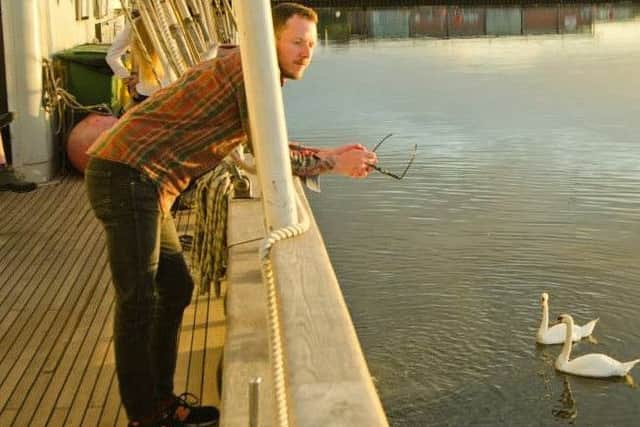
254	395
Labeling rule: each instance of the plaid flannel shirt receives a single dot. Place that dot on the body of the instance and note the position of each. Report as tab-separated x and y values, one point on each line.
186	129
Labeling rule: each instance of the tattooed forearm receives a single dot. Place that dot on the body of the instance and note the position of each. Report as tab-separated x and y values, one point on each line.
307	163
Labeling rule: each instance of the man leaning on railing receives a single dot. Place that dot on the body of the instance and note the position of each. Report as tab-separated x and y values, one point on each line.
141	165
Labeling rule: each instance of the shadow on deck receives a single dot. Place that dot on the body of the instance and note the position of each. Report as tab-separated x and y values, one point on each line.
56	301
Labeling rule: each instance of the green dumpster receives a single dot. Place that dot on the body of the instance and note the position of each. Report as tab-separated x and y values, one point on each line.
87	75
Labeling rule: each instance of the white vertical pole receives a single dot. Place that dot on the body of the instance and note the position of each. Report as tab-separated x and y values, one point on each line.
33	151
264	99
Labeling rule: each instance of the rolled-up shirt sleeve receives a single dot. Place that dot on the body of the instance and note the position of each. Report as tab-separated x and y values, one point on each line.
308	165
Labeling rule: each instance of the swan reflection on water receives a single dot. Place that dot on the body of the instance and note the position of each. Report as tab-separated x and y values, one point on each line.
568	409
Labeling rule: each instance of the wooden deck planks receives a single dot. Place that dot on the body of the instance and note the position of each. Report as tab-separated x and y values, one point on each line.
34	266
11	269
14	207
35	322
56	301
45	315
21	211
69	363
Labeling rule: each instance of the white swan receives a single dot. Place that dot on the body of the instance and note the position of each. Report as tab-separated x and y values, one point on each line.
556	333
590	365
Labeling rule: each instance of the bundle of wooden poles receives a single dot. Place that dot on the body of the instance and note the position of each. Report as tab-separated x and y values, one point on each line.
182	32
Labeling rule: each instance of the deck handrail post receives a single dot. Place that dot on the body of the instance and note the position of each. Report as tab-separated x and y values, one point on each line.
254	401
267	120
32	149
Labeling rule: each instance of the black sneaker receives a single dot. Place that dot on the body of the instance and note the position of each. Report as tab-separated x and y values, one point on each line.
10	181
184	411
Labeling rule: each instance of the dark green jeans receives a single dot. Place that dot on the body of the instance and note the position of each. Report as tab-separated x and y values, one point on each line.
151	279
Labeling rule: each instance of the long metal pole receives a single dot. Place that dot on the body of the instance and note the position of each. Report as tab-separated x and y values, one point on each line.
264	99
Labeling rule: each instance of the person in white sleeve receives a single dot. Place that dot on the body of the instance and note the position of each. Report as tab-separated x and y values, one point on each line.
146	74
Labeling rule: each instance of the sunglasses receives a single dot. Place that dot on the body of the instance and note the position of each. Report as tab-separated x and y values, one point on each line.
388	172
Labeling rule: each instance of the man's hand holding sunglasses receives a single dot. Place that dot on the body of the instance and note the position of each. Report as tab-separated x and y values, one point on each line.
352	160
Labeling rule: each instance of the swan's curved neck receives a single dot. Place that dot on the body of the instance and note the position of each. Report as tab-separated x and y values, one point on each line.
566	347
544	324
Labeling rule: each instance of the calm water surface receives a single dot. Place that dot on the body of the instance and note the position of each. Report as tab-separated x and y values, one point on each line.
527	179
